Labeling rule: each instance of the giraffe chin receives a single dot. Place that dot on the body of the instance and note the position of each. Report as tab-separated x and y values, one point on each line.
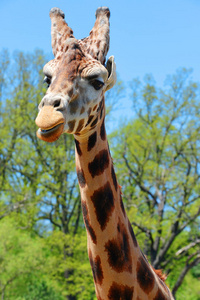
52	134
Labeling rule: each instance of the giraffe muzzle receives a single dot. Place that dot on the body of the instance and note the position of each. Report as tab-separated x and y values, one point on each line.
51	124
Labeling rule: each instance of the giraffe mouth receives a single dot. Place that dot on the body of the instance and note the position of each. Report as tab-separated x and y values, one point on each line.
51	124
50	134
48	130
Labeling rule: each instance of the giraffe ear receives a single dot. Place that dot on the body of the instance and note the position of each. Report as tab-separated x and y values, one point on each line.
112	76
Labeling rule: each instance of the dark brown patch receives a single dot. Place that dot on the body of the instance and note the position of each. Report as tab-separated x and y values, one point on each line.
78	148
92	141
98	55
100	105
99	163
159	296
96	268
103	132
103	201
145	276
101	113
120	292
119	254
95	107
114	177
87	222
132	234
81	178
89	120
82	110
71	125
94	122
80	125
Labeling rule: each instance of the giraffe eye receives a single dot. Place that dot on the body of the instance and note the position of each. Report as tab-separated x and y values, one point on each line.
97	84
47	80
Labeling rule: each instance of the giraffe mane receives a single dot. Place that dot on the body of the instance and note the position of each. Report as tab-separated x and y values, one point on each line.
160	274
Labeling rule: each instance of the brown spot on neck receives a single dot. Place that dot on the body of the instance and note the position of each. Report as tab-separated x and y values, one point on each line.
96	268
145	276
160	296
114	177
120	292
81	178
99	163
92	141
103	131
119	251
78	148
103	201
88	226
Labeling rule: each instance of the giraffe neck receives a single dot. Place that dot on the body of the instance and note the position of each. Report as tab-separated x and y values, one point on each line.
120	270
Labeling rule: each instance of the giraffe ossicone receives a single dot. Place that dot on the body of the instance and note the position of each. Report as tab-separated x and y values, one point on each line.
74	103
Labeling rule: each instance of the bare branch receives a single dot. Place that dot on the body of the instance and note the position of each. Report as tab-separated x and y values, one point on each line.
142	187
145	230
186	248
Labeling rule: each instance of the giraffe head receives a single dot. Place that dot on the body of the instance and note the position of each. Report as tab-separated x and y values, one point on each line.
77	78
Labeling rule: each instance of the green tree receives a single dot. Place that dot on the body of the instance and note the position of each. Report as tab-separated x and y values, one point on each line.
157	156
21	256
157	159
38	182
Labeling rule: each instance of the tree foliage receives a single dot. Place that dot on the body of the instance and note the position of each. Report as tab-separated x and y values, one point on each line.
158	162
39	189
43	242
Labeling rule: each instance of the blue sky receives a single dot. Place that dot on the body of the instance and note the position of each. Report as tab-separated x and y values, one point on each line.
156	36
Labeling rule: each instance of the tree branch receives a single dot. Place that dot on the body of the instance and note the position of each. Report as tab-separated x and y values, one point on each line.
186	248
185	270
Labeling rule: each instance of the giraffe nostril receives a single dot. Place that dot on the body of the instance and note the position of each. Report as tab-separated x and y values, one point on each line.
57	103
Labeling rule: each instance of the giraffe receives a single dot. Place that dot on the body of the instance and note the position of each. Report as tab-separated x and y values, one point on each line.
77	79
